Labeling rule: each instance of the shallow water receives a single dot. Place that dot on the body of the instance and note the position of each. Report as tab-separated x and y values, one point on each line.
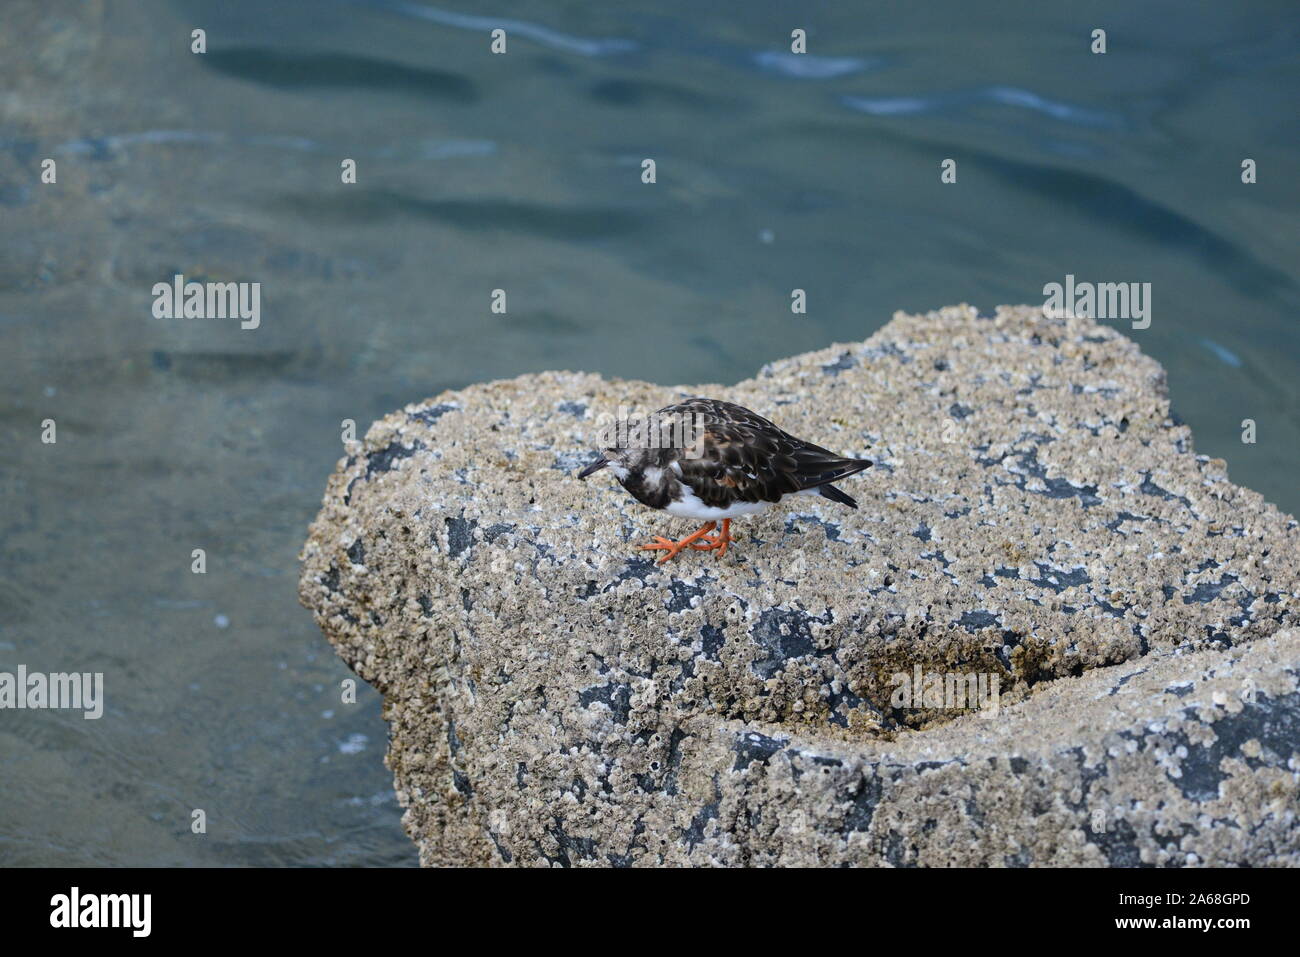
522	172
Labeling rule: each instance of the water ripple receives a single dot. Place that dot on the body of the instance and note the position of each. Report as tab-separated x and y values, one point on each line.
584	46
1004	95
807	66
101	147
1222	353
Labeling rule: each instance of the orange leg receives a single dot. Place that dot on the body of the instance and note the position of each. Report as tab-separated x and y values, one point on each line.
719	541
675	548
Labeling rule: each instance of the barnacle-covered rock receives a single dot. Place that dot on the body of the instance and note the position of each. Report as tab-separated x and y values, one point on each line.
1051	632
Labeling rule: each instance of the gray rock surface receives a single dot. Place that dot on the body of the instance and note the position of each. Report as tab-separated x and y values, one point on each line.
1035	517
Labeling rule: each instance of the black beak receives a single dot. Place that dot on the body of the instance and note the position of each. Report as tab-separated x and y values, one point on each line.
595	466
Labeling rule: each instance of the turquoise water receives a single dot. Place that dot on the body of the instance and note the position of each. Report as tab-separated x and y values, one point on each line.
522	172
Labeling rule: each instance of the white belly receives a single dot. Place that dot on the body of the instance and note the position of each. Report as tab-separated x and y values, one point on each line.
691	507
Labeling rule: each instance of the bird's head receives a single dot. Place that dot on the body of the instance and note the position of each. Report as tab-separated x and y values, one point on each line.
620	461
632	444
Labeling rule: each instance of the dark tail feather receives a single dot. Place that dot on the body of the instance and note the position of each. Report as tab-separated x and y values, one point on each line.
836	469
813	473
835	495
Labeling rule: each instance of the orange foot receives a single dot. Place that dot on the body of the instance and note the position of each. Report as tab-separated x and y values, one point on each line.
674	549
719	541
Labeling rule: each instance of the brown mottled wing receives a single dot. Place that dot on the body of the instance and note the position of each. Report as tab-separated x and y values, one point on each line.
739	456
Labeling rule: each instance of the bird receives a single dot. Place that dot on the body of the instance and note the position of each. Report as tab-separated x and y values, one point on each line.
722	462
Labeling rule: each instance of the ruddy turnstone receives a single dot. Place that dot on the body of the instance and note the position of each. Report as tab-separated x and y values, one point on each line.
732	462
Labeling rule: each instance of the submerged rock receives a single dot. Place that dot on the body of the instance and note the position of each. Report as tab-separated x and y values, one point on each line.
1036	531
